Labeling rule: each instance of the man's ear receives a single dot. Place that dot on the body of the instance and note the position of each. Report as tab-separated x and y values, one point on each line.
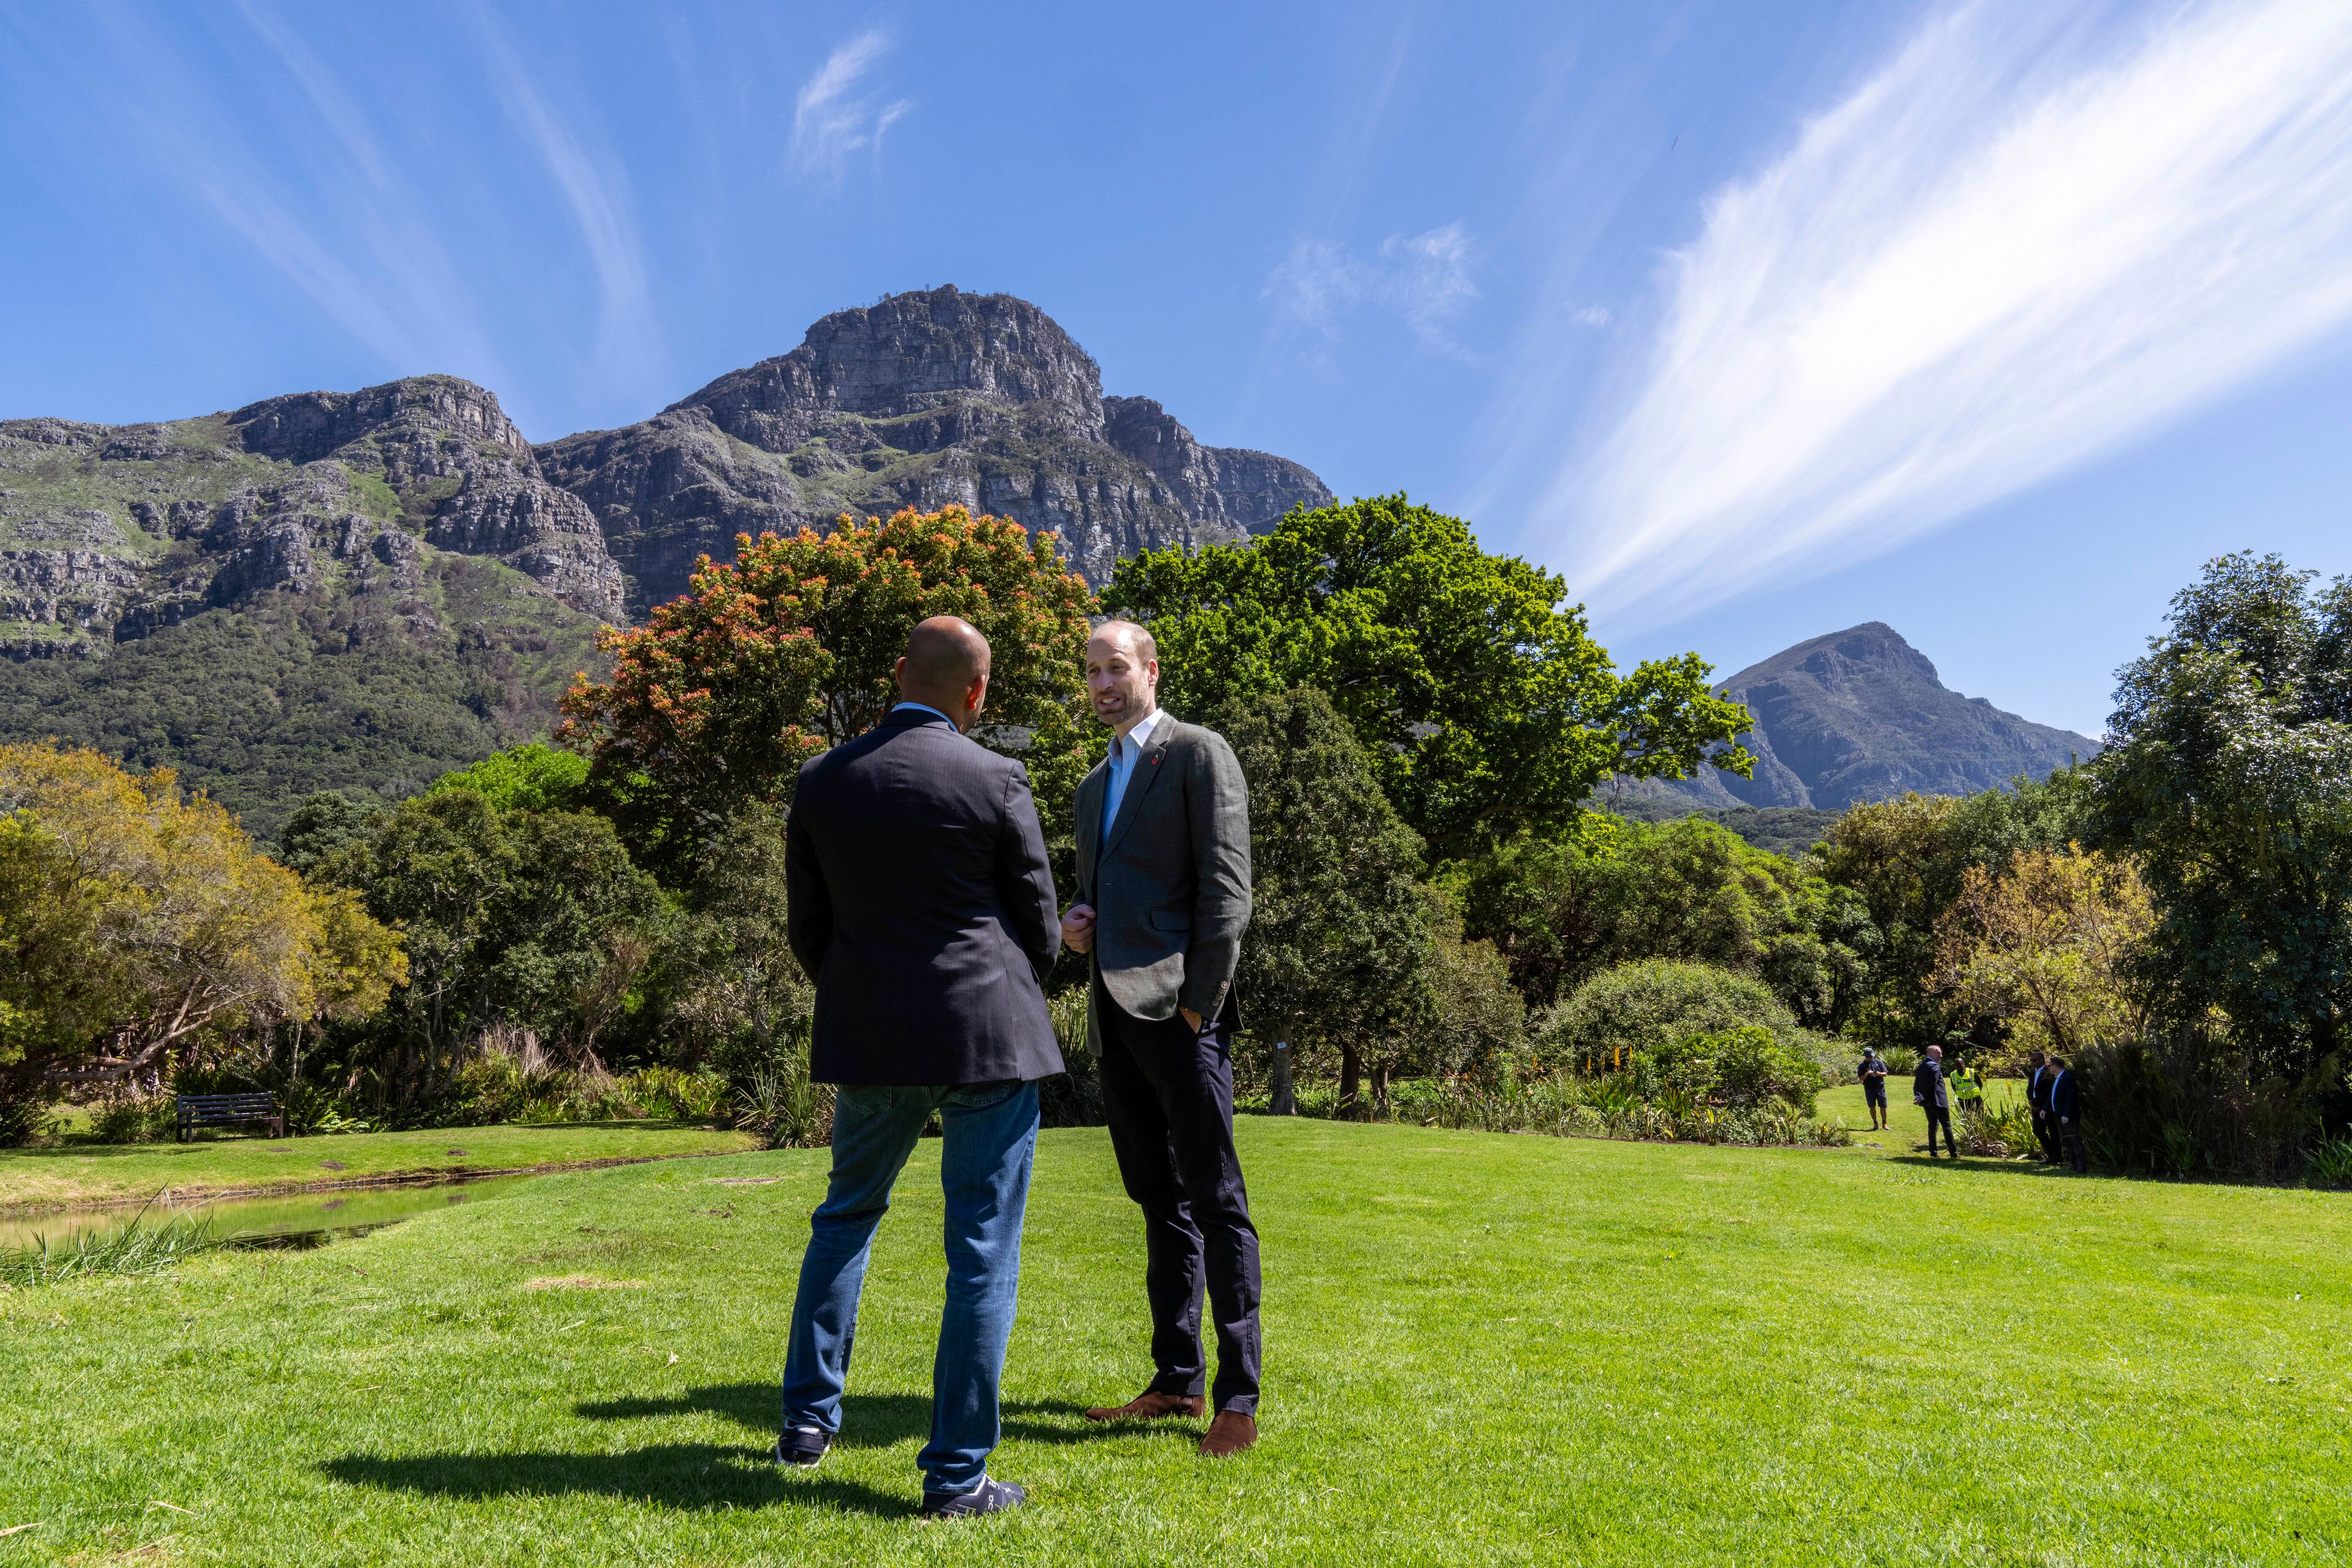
899	672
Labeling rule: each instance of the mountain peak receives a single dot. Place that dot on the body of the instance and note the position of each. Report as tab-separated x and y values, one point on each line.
923	399
1861	714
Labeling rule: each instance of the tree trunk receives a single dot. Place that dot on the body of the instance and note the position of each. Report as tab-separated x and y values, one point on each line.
1380	1090
1283	1101
1351	1074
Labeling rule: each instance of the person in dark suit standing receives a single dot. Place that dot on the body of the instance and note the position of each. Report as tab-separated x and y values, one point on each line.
921	901
2066	1111
1931	1094
2039	1072
1164	896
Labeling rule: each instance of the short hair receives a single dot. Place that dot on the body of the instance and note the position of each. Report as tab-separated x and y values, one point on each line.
945	653
1146	649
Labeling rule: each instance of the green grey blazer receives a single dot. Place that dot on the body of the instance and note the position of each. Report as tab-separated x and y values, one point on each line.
1170	881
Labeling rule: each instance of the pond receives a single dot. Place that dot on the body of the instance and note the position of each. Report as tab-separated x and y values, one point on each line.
287	1214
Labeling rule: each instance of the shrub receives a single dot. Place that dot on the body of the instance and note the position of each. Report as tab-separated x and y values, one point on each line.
1653	1005
676	1095
2329	1165
134	1119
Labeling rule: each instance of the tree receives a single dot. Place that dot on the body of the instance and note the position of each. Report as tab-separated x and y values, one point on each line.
1563	909
1906	859
536	920
1482	707
2229	784
716	701
733	985
141	922
2048	945
532	777
1338	932
1472	1019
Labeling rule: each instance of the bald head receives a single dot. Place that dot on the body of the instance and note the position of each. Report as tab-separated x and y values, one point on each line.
946	667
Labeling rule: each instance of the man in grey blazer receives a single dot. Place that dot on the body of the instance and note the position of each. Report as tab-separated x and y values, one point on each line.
1164	895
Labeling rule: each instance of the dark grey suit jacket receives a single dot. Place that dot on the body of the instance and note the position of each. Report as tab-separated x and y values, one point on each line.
919	897
1171	882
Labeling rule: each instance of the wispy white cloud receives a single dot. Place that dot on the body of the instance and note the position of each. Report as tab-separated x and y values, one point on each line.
833	119
628	351
1422	277
2010	249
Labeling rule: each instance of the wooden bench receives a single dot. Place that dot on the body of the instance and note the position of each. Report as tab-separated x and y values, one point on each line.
222	1109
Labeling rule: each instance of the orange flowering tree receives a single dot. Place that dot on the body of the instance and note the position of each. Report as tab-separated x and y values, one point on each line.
716	701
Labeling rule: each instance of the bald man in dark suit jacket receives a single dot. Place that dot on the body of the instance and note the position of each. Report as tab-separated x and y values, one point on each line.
920	901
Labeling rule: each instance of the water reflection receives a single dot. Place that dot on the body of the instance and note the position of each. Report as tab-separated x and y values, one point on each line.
287	1216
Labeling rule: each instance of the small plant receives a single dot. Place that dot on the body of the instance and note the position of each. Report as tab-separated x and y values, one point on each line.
679	1096
784	1109
2329	1165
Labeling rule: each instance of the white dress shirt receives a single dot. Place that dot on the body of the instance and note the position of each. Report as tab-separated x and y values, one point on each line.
1124	751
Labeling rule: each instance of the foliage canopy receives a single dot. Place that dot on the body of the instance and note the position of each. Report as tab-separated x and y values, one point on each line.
1484	707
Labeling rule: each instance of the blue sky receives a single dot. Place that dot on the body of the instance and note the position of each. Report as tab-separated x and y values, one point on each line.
1758	319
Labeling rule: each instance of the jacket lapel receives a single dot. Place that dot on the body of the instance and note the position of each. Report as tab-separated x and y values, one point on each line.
1139	783
1090	798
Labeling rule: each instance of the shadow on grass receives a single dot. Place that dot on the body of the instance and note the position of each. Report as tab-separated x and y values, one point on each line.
713	1475
676	1474
867	1420
1982	1162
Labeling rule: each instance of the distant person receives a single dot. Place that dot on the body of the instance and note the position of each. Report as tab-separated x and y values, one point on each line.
1968	1088
919	897
1873	1073
1164	895
1932	1095
2037	1099
2066	1111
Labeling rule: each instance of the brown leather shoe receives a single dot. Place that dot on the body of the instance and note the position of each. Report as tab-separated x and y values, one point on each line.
1150	1406
1229	1434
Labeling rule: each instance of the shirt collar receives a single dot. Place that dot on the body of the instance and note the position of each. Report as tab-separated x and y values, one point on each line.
1140	736
923	708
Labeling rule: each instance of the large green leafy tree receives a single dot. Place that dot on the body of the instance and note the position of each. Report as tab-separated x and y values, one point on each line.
532	920
1339	931
1907	859
2231	783
716	701
1482	705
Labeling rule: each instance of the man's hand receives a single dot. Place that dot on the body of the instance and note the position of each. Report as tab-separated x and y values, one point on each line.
1191	1019
1079	928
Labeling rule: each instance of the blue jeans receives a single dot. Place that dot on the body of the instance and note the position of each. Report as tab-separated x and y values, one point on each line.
990	1138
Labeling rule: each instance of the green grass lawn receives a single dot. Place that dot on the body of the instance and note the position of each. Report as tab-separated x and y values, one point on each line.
81	1173
1480	1348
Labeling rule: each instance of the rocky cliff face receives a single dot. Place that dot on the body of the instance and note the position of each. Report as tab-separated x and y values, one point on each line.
361	590
922	400
1860	715
108	532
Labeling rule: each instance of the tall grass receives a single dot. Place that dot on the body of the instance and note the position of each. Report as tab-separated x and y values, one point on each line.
1605	1107
140	1248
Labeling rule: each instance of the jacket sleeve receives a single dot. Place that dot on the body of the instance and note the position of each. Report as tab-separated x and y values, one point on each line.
1216	800
1025	877
808	903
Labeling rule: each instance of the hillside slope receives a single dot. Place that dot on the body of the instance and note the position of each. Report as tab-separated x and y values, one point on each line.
1860	715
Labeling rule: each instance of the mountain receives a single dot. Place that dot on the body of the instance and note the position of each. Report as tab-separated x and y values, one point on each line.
1860	715
921	400
361	590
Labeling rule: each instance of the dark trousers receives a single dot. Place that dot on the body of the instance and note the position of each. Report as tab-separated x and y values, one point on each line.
1168	1096
2071	1132
1940	1116
2045	1130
